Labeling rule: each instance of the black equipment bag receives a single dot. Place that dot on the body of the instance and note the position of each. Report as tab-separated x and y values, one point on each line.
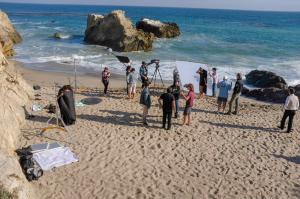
67	105
30	168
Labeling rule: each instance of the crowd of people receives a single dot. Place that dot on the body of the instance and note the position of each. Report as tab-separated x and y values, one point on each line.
169	101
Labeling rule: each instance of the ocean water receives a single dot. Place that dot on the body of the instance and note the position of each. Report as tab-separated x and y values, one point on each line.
232	41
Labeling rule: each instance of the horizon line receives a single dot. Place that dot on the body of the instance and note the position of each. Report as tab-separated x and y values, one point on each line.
204	8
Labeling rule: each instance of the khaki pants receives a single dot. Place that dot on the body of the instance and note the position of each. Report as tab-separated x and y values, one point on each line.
234	99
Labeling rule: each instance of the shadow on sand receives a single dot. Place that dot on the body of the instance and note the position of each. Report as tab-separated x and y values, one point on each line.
118	118
294	159
243	127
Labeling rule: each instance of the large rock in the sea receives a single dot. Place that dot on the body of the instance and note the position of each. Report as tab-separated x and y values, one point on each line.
265	79
158	28
117	32
8	35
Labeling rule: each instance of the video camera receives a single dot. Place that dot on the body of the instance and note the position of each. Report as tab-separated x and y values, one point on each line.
154	61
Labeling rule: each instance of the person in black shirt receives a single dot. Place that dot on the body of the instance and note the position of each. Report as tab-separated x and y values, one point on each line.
168	106
202	82
175	90
237	90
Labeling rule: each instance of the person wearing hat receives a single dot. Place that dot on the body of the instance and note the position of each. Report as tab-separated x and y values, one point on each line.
189	98
144	73
105	79
290	108
224	88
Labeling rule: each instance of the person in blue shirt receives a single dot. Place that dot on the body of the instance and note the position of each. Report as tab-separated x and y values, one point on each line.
224	88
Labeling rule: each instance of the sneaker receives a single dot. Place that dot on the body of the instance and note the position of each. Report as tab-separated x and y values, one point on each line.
146	123
290	131
235	113
228	113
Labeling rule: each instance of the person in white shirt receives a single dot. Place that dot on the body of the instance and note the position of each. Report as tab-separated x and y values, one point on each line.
290	108
213	74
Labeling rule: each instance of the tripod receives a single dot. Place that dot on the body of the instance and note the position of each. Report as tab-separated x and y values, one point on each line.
56	118
154	77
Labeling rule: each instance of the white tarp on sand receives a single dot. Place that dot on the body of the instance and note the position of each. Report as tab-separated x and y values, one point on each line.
57	157
187	72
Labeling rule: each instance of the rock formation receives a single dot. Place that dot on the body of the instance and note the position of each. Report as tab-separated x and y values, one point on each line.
8	35
14	94
117	32
265	79
159	29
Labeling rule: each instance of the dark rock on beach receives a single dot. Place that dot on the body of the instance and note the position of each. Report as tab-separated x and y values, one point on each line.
274	95
158	28
265	79
116	31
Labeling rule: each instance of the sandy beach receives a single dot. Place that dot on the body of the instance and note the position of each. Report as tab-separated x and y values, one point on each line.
218	156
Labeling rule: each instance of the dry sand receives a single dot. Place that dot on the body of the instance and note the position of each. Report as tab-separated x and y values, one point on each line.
218	156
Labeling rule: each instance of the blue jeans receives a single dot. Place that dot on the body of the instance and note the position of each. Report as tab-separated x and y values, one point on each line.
214	89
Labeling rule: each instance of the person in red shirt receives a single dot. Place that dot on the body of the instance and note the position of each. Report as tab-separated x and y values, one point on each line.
190	97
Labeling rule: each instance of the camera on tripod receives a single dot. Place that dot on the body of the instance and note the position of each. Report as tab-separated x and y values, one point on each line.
155	61
156	72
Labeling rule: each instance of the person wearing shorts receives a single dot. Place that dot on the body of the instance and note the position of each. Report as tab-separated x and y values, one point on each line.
190	97
131	79
224	88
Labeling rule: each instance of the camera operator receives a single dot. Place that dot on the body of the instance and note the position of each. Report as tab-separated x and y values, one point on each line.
144	73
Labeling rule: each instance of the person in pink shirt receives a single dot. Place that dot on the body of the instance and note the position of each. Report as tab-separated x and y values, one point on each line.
190	97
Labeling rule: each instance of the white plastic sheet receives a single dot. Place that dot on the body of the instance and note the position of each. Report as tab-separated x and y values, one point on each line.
188	74
57	157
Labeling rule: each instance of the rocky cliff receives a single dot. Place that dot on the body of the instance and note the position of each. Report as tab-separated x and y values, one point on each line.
8	35
116	31
14	94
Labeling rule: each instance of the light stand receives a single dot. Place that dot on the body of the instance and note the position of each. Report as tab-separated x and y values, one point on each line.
154	77
56	117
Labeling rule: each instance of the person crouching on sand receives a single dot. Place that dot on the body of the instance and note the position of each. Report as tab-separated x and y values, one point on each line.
237	90
145	101
290	108
224	88
105	79
167	103
132	79
190	97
